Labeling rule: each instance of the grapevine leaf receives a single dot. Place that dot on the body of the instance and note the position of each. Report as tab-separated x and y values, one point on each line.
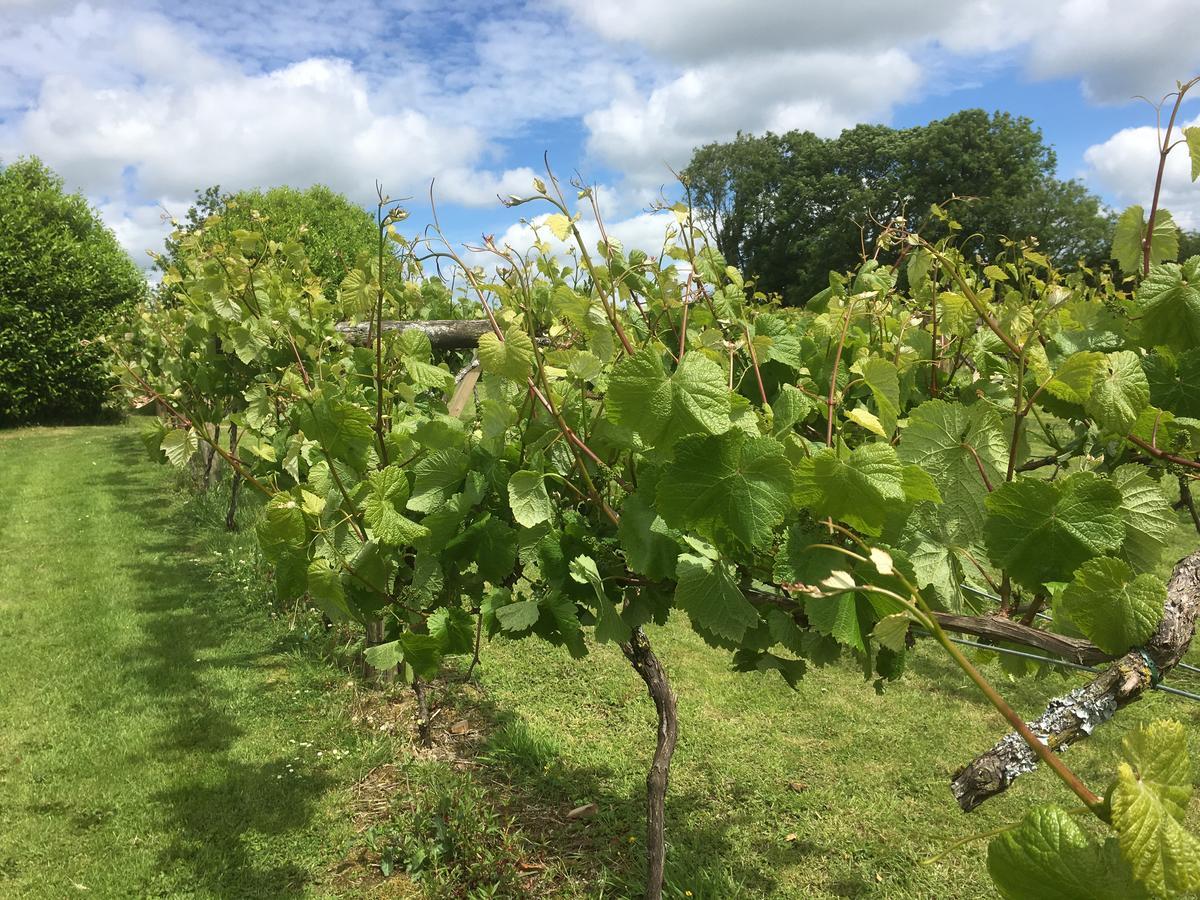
1149	519
890	631
438	477
650	549
384	656
1192	136
883	379
281	530
1175	381
837	616
707	590
1120	393
939	439
609	624
792	670
1112	607
528	498
562	610
343	429
1049	857
864	418
728	482
1131	230
454	629
1158	754
857	490
799	562
1074	379
1169	304
179	445
663	408
518	616
422	653
325	588
1147	802
511	358
791	406
382	509
1041	531
560	225
919	485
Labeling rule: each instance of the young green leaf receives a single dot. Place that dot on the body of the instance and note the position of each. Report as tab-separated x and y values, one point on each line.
857	490
1050	857
883	379
511	358
1113	608
727	483
664	408
1145	803
708	591
1041	531
528	499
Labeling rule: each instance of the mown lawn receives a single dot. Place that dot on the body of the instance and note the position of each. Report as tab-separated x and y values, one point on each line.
149	701
158	734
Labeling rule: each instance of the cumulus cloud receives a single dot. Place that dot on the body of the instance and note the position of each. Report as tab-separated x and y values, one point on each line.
822	92
1124	167
139	102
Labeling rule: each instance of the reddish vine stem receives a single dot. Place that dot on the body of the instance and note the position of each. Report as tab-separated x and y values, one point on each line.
979	464
1163	454
762	391
1163	151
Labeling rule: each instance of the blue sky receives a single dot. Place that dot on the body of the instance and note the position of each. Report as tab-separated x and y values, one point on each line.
137	103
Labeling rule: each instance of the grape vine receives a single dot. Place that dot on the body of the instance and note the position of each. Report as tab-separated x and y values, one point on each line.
584	440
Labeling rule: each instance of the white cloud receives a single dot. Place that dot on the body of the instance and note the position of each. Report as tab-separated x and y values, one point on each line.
141	227
822	92
1118	49
313	121
1125	165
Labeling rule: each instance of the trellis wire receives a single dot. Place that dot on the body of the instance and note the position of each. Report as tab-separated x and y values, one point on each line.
971	589
1062	662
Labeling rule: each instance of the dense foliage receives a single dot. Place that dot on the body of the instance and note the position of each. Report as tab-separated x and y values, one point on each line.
646	438
785	208
64	280
334	231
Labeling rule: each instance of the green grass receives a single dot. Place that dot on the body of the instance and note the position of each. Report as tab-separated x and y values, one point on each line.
159	732
160	729
872	771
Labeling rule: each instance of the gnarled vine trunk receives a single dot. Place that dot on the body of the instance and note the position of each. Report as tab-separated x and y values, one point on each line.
235	483
1074	716
640	654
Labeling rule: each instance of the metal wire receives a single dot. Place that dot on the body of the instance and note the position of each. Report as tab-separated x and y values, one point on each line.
1064	663
971	589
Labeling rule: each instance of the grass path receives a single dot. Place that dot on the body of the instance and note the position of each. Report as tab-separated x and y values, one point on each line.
150	732
162	736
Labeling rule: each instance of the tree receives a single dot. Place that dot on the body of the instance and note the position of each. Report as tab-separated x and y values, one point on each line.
334	230
788	208
64	280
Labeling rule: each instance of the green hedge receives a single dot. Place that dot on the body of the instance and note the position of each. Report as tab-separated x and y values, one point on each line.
64	280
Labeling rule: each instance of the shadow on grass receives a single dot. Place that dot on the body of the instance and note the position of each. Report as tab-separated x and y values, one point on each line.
193	660
539	784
